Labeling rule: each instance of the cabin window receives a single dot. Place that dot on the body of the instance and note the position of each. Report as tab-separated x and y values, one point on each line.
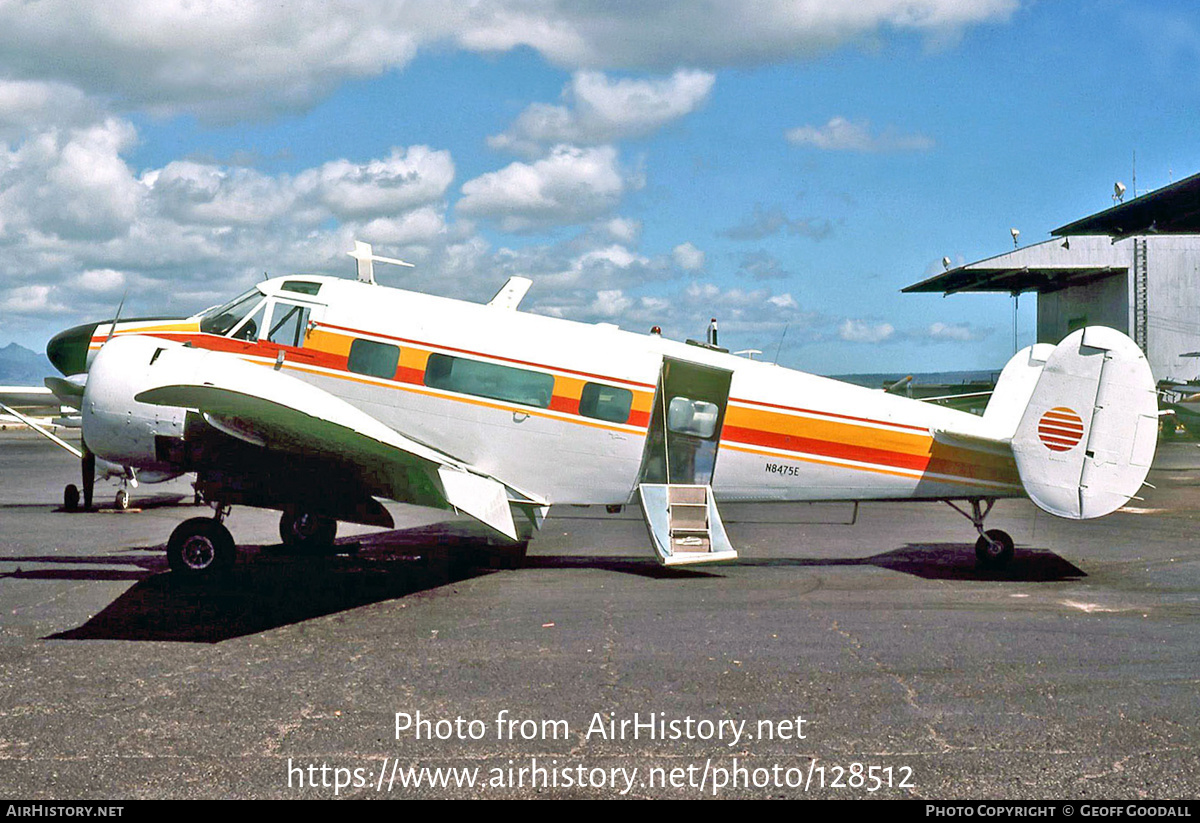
695	417
301	287
605	402
222	319
289	324
375	359
481	379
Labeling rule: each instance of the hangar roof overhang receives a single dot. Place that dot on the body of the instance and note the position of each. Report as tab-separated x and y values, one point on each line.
1044	267
1173	209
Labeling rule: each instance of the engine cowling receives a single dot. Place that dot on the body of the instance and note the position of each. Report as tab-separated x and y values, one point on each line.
115	426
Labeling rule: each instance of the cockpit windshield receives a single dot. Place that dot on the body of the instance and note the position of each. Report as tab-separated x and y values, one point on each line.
223	318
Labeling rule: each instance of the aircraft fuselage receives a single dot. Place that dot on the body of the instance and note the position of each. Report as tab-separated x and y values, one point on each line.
577	412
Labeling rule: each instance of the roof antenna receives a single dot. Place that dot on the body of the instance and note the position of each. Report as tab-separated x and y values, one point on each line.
780	346
366	269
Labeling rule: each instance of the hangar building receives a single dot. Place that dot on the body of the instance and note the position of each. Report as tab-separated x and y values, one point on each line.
1134	267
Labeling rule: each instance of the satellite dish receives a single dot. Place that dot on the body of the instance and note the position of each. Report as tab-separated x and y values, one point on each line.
1015	234
1118	192
946	263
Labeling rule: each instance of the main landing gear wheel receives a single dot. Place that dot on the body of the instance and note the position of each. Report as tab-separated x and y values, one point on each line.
200	546
994	549
71	497
307	531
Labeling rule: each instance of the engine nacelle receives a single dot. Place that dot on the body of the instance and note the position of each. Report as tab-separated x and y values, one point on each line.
115	426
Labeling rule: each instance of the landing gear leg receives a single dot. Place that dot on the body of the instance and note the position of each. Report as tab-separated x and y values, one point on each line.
994	548
201	546
88	467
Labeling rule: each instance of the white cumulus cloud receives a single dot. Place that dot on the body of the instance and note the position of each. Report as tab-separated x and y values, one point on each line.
405	179
236	58
860	331
954	332
600	110
688	257
572	184
840	134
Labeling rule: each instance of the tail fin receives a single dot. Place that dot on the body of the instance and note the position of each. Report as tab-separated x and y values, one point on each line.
1087	435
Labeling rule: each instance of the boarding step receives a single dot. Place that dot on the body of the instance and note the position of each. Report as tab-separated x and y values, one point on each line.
684	524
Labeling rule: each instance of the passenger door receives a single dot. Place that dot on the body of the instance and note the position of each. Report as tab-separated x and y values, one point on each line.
685	425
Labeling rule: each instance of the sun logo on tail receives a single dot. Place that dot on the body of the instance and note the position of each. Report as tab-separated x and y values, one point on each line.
1060	429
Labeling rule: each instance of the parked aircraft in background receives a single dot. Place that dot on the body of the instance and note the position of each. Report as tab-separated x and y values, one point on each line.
47	409
328	398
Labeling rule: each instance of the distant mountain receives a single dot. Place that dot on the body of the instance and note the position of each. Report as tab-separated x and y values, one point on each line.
21	367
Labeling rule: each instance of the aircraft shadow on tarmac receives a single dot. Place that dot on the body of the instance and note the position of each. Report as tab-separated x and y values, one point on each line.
948	561
273	586
104	503
269	586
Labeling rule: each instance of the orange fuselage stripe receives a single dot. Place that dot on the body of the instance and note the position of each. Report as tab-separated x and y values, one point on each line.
823	437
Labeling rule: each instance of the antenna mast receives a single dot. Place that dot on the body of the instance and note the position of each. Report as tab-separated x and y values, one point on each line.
366	260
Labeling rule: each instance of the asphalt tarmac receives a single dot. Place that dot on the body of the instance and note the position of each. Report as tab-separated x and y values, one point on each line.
832	660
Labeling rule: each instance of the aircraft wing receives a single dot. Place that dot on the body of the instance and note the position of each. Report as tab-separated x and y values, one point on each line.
23	403
279	412
28	397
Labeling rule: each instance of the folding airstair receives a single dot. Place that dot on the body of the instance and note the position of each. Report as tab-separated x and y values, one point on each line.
684	524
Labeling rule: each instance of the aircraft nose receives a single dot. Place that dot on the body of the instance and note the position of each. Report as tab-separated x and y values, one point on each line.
68	349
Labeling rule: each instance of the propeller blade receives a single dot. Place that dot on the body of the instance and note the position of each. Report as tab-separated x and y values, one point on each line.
117	319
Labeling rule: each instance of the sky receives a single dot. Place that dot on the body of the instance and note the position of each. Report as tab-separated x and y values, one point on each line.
785	167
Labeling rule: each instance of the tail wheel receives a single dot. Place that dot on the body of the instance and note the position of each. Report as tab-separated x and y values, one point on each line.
994	549
200	546
307	531
122	500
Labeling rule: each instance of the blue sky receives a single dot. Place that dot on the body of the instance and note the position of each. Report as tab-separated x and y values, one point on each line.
784	166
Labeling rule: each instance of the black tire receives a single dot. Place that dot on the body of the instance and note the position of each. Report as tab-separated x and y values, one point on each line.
199	547
122	500
996	552
71	497
307	531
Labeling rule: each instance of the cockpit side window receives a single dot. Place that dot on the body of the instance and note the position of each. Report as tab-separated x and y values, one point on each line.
289	324
251	325
223	319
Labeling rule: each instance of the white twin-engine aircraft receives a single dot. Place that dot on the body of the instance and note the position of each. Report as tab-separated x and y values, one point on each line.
328	398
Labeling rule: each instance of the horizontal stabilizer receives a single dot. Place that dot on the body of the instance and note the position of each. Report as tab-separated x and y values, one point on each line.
69	391
1086	439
